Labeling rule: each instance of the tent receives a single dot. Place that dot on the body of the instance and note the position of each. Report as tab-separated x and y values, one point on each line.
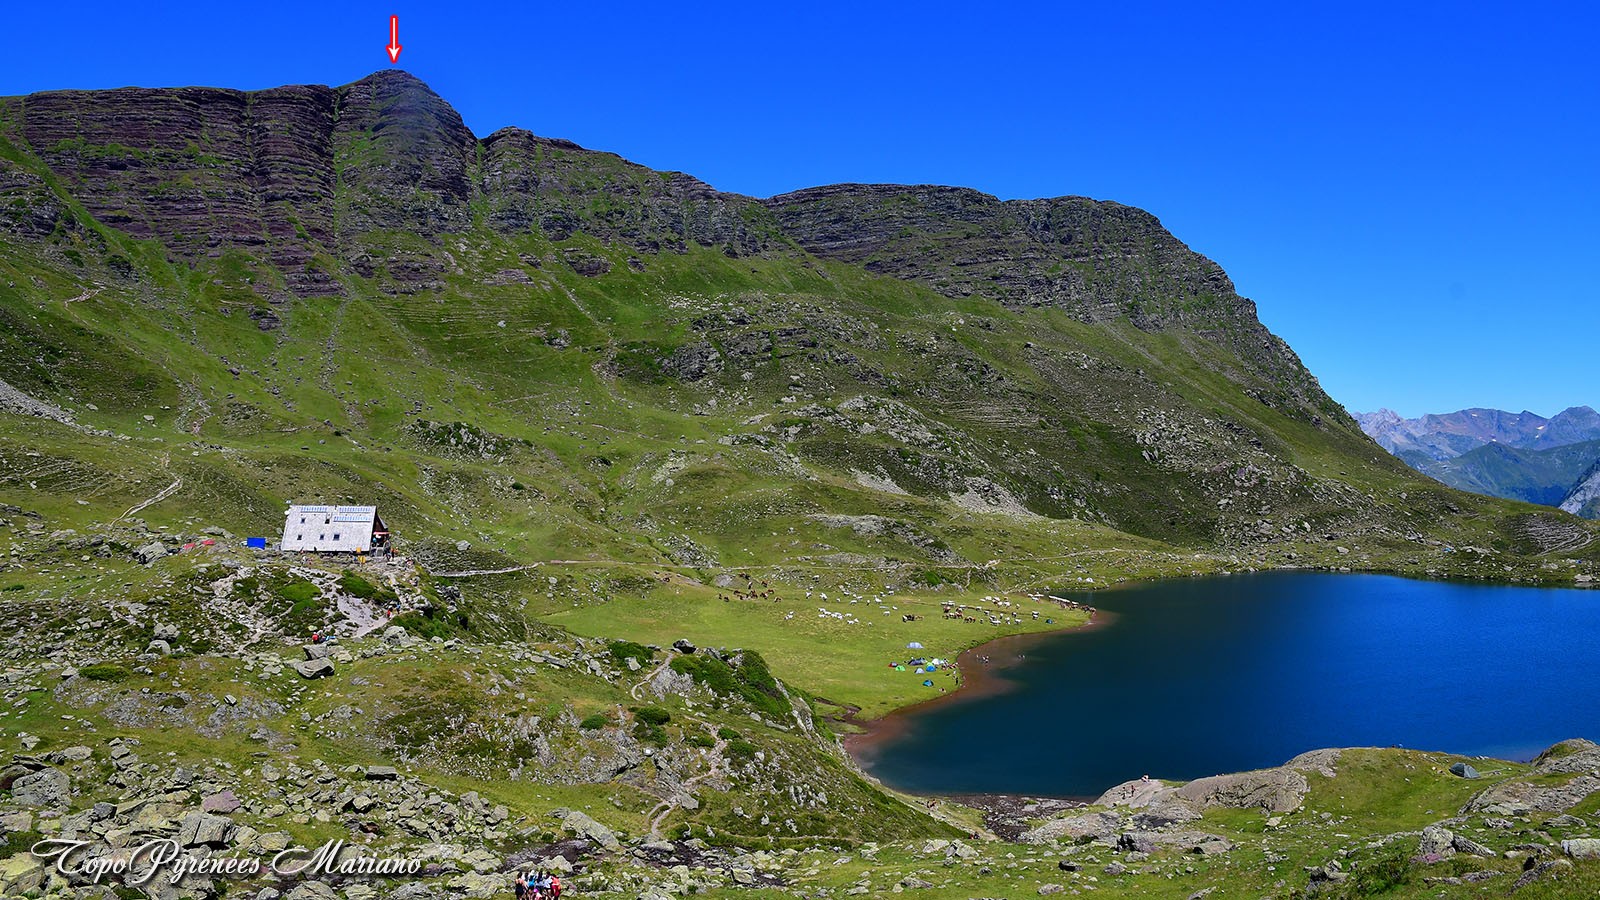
927	684
914	645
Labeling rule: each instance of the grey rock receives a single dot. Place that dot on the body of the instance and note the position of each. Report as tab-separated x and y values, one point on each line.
1078	829
1581	848
1277	790
1436	841
1464	844
581	825
1545	871
683	646
381	773
221	802
150	552
45	789
313	668
203	829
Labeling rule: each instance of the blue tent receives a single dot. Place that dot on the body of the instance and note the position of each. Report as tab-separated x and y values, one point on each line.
927	684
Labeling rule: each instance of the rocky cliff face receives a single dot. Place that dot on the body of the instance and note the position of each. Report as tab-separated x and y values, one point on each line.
1097	260
1584	500
293	173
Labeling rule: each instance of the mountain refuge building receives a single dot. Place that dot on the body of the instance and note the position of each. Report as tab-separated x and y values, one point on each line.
334	529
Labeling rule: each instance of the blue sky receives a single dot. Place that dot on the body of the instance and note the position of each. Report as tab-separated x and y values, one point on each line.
1408	191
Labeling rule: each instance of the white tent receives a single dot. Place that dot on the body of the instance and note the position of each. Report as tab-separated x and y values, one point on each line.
333	529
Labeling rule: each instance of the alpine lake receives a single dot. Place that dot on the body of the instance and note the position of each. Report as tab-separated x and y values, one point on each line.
1187	678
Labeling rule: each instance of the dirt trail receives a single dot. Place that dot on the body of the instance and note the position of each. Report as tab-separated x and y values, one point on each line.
663	809
168	492
357	611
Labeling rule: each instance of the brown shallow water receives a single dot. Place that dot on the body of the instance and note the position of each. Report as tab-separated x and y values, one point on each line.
983	675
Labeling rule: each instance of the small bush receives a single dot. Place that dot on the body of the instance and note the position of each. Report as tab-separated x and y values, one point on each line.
518	486
596	721
652	715
700	740
104	672
1380	875
298	592
13	587
741	749
751	680
423	626
622	651
17	842
356	586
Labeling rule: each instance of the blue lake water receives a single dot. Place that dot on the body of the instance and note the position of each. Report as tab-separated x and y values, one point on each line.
1198	677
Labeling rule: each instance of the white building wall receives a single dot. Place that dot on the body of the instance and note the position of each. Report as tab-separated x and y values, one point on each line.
329	529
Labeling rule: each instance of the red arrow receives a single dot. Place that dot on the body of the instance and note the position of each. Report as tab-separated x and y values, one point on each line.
394	39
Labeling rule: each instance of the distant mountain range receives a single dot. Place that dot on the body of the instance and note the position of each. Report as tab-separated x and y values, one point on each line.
1519	456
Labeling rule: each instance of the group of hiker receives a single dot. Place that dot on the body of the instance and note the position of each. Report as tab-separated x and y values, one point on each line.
538	886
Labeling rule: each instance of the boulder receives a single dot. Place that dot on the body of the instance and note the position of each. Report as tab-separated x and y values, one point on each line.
585	827
161	647
312	890
683	646
221	802
1548	870
1581	848
381	773
1164	814
45	789
1437	841
313	668
315	652
1077	829
203	829
150	552
1135	794
21	874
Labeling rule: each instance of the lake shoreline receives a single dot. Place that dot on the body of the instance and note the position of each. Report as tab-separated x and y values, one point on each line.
982	669
932	752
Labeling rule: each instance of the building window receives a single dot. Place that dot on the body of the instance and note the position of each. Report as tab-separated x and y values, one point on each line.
336	535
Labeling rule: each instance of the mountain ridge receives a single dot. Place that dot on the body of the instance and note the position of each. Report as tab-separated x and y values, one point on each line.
1084	361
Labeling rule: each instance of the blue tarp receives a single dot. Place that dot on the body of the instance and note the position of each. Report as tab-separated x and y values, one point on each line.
258	543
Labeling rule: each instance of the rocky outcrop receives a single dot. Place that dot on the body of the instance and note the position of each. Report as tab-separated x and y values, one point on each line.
560	189
1273	790
1156	807
1584	498
1562	777
15	401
